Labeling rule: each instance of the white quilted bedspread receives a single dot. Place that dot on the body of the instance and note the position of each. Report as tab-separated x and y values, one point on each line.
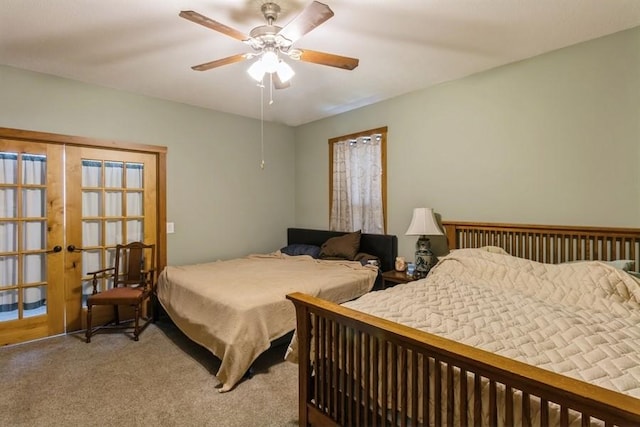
577	319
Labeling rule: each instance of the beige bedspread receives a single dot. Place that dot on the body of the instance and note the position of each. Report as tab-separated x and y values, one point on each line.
235	308
580	319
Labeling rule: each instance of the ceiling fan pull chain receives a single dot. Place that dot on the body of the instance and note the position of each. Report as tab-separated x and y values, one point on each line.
262	127
271	89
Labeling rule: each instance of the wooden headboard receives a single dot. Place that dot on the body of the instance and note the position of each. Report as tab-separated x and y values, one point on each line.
550	244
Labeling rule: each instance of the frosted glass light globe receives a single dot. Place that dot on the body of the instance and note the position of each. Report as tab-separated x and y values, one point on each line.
270	61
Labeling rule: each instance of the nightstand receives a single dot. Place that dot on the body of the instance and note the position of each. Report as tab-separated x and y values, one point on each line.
393	277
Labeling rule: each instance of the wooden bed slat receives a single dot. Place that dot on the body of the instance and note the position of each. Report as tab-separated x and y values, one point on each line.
426	413
414	387
508	396
477	400
526	410
464	397
367	376
544	411
451	398
437	394
402	389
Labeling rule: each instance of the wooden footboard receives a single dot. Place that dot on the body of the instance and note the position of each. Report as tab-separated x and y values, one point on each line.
360	370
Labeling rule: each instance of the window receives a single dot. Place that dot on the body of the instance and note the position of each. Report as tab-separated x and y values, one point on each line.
357	182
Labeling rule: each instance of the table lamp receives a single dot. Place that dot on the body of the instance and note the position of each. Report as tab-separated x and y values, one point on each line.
423	224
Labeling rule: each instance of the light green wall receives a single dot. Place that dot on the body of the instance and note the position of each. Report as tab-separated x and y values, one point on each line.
554	140
222	203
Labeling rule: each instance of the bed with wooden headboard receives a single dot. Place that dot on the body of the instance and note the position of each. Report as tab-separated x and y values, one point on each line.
360	369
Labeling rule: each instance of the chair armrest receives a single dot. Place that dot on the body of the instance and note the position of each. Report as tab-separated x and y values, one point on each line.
104	270
148	278
94	280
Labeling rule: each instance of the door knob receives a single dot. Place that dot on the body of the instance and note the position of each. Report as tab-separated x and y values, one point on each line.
72	248
55	249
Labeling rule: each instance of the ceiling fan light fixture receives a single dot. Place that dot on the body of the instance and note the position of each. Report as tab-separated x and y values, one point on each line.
256	70
285	72
269	61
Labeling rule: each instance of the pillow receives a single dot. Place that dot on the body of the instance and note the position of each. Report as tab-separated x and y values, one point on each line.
345	247
364	258
301	249
494	249
622	264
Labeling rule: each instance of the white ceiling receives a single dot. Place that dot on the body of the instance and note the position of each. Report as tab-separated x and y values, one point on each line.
144	47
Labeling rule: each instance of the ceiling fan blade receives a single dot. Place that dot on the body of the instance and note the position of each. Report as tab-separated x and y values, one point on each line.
214	25
329	59
279	84
220	62
312	16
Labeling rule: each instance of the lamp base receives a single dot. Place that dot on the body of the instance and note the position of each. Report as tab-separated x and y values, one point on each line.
425	259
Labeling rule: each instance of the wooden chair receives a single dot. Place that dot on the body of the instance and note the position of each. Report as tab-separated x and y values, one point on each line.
133	283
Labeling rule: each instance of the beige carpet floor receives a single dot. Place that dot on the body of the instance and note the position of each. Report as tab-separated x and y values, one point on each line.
162	380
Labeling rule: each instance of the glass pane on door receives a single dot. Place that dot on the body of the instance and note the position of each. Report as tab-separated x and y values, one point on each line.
8	168
8	305
34	268
8	270
91	173
91	233
135	203
135	175
34	235
113	174
114	233
135	231
113	203
34	170
33	202
91	203
35	301
8	236
9	198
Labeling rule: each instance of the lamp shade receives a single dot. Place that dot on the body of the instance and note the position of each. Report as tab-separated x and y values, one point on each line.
423	223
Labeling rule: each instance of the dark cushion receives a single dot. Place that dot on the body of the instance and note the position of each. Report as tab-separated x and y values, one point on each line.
345	247
301	249
364	258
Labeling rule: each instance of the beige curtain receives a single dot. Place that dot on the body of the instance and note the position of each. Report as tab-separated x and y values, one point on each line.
357	185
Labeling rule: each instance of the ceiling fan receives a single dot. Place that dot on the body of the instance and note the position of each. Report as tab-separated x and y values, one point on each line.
270	43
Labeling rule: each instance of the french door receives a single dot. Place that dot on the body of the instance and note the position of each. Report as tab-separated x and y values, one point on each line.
62	211
32	290
110	199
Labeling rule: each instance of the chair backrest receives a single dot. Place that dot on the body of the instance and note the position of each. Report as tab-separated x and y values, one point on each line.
134	264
